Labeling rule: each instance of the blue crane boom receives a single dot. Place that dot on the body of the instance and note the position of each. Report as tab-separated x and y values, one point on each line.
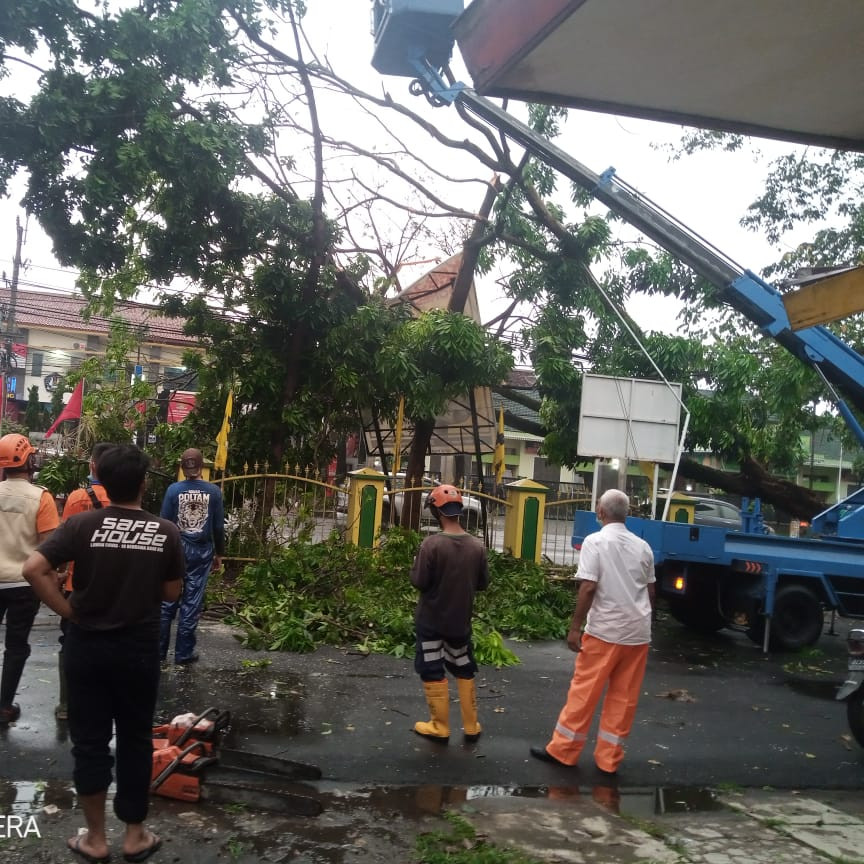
711	577
742	289
401	49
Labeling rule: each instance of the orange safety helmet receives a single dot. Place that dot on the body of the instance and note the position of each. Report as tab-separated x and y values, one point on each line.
15	450
446	498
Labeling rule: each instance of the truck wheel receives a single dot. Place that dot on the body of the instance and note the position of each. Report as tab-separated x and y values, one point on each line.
697	614
855	715
797	620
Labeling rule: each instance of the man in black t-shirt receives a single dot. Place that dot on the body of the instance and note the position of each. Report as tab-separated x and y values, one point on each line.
126	563
448	569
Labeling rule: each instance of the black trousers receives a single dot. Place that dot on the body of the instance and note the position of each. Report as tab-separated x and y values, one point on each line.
433	653
19	607
113	681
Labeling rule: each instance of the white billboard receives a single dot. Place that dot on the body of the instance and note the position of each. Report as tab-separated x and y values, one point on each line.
629	418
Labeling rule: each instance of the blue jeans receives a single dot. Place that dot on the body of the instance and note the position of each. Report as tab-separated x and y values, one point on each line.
113	680
199	560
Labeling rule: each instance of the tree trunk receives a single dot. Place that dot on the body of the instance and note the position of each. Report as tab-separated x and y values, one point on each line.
753	481
471	250
412	502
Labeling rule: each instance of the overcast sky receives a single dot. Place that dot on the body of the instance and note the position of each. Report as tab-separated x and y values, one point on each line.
708	192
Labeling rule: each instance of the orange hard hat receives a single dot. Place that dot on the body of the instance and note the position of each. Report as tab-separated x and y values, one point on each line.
447	498
14	450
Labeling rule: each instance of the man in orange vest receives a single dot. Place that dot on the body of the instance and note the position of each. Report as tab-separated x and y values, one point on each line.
28	515
91	497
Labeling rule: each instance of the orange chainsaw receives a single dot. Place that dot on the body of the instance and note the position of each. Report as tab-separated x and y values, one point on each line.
189	764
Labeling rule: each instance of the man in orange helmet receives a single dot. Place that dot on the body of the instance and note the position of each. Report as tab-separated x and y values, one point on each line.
28	515
90	497
449	568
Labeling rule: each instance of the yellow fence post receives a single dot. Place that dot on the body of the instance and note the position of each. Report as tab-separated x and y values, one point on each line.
523	523
365	496
682	509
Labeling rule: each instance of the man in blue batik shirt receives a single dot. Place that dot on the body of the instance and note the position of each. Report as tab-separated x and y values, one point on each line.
196	507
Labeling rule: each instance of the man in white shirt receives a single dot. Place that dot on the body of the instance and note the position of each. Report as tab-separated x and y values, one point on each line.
615	602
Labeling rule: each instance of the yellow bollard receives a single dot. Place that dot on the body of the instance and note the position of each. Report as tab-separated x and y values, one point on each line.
365	497
523	524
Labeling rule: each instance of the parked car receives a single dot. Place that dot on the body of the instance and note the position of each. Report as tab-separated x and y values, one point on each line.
393	502
712	511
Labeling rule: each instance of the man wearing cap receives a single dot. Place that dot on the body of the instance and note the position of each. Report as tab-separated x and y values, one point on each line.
28	515
196	507
449	568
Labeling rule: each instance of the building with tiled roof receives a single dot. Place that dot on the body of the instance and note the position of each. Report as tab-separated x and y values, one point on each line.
48	336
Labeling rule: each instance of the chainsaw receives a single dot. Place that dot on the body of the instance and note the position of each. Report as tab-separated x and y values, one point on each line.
189	764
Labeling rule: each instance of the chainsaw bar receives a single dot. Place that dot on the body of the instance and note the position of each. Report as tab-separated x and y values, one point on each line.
263	764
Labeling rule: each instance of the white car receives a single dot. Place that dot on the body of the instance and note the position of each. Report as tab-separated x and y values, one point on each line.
393	502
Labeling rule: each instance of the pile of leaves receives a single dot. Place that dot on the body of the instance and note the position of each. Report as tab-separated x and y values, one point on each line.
334	593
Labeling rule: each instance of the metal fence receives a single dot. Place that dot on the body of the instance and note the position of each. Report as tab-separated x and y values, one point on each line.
558	525
264	511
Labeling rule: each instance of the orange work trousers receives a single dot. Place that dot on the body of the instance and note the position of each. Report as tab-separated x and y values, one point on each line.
599	663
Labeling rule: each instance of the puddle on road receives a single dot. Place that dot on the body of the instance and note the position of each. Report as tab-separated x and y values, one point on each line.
29	797
358	824
682	799
277	704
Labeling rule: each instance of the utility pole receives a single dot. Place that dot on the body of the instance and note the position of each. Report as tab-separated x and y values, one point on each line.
7	355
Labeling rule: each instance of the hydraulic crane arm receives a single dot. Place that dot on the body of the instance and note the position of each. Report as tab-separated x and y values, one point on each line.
754	298
413	38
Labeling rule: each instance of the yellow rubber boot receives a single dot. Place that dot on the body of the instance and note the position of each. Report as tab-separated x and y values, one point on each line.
438	699
468	704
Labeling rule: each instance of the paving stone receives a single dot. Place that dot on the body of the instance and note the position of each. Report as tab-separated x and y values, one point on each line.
812	823
574	832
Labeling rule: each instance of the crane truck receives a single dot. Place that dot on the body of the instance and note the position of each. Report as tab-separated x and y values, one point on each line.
775	587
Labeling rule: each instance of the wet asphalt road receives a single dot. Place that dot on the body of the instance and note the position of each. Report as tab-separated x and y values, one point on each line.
725	764
714	712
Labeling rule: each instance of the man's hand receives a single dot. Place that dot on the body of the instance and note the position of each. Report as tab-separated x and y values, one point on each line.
584	599
42	576
61	574
216	564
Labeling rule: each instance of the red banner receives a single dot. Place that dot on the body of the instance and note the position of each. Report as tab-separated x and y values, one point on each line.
179	407
72	411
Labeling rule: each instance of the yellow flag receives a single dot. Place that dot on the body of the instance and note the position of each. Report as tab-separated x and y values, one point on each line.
498	455
221	460
397	437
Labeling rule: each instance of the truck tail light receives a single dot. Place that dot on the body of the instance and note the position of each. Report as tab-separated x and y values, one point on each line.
855	643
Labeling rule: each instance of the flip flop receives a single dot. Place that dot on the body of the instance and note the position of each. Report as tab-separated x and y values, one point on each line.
145	853
74	847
